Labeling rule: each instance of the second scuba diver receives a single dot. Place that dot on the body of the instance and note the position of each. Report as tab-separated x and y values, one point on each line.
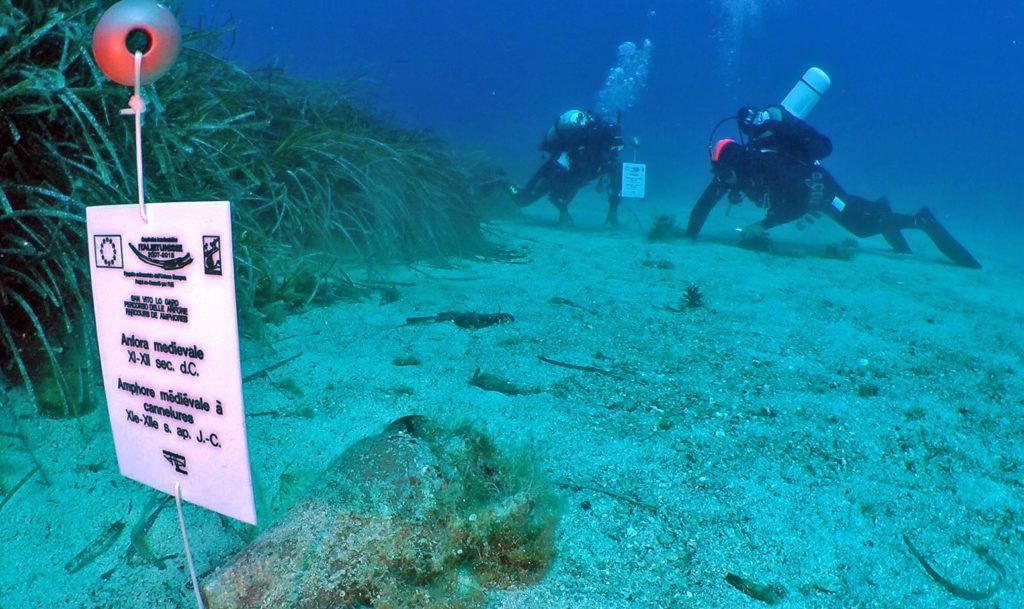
580	147
779	169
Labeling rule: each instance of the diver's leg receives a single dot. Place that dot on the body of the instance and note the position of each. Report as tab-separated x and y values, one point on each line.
613	210
926	221
564	219
614	172
561	195
897	242
564	186
868	218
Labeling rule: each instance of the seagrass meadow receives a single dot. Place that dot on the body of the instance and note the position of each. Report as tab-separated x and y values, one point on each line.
319	185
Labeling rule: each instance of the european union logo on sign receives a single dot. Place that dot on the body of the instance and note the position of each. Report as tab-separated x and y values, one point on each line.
108	251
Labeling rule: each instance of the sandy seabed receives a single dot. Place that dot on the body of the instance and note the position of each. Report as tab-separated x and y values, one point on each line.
804	428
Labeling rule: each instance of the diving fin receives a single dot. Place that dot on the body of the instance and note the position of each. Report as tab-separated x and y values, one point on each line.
926	221
897	242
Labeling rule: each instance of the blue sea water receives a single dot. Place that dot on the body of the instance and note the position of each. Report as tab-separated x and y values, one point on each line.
925	104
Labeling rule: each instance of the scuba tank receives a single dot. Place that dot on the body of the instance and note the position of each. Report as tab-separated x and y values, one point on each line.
804	96
798	103
783	128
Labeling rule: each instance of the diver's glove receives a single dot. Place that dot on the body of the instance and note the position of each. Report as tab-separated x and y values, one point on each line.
755	237
756	122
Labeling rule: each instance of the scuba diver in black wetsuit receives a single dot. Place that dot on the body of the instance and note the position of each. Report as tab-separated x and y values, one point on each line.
580	148
779	169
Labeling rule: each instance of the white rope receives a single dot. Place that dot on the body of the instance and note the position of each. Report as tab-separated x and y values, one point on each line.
136	106
188	551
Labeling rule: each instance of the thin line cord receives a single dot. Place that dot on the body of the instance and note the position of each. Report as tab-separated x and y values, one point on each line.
188	551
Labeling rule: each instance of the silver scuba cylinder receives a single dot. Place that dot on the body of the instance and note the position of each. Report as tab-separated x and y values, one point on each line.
806	94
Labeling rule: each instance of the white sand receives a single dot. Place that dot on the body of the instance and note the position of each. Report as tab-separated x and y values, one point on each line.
791	431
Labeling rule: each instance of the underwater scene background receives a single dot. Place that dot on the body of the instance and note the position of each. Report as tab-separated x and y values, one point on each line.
456	403
922	106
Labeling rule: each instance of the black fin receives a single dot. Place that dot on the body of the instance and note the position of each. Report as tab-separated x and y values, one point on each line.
926	221
897	242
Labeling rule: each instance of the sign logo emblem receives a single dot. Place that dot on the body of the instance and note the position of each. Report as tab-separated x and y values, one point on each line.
177	461
162	252
212	262
108	251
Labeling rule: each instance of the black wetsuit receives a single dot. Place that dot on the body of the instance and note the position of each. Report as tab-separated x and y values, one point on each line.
779	171
789	188
591	152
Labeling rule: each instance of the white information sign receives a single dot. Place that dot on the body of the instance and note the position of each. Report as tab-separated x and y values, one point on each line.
634	179
164	294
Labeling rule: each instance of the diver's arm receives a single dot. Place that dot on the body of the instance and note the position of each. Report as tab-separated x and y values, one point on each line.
758	229
776	217
707	201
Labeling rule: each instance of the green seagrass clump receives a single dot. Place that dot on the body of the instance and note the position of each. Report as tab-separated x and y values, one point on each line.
318	186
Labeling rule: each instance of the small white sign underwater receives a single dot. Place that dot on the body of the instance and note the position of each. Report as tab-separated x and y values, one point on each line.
164	295
634	179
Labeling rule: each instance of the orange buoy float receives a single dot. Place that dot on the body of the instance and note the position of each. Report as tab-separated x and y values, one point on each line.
136	25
